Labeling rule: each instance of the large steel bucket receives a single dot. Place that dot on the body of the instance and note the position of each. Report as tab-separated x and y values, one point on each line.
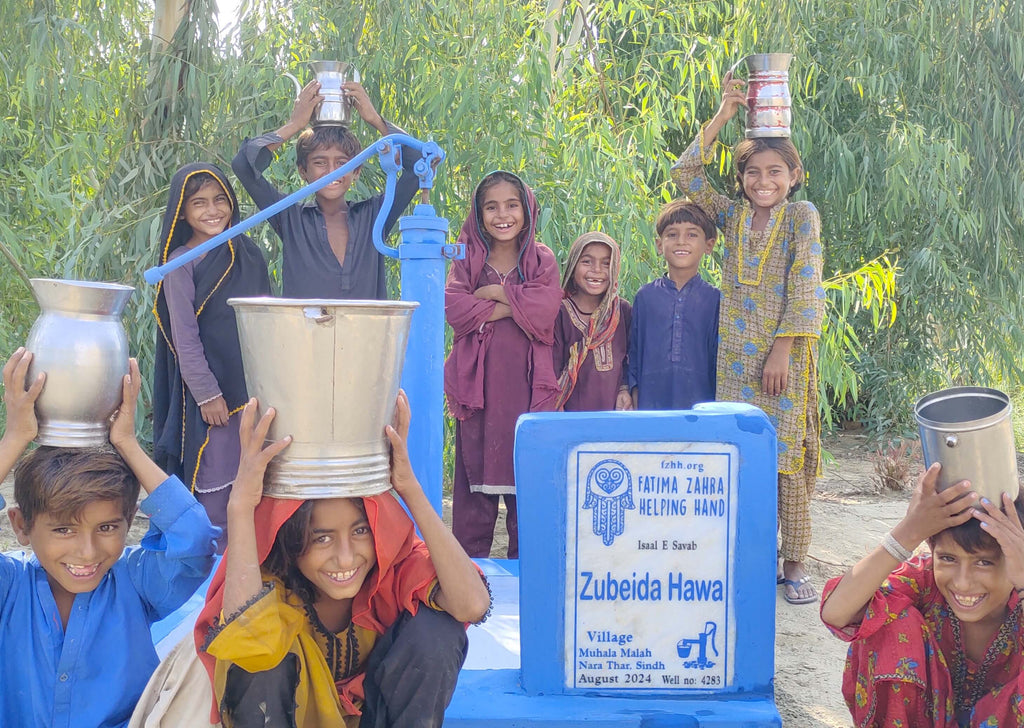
80	342
768	100
332	370
968	431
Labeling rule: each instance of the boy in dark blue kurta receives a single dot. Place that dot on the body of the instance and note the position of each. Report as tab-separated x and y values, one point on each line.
673	343
75	615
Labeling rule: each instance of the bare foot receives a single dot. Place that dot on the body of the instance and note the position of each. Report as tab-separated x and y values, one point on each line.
797	583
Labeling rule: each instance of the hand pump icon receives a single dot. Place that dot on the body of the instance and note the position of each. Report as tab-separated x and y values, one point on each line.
685	646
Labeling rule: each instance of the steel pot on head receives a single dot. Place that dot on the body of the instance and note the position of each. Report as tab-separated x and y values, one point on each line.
768	100
968	431
336	108
331	369
81	344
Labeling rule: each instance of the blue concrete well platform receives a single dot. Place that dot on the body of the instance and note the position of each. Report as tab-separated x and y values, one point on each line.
490	691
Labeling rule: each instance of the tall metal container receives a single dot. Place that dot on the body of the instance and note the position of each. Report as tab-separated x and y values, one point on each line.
968	431
768	100
81	344
332	370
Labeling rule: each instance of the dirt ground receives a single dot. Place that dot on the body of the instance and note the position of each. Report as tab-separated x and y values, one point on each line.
850	517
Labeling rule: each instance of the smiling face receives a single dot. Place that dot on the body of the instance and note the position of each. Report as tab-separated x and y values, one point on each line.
592	275
341	553
767	180
682	245
974	585
501	213
207	211
323	161
75	552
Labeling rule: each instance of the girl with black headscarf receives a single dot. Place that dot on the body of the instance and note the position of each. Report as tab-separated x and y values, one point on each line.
199	386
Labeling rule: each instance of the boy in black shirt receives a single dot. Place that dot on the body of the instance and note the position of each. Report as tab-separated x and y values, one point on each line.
328	244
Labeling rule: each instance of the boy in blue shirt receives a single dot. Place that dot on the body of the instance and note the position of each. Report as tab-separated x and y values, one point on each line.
75	615
328	249
673	343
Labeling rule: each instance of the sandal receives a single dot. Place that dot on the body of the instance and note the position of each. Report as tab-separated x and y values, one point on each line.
795	585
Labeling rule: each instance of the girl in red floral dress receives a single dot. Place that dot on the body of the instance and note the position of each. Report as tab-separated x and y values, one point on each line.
936	639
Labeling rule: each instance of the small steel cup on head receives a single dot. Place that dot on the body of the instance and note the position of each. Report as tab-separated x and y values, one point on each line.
336	108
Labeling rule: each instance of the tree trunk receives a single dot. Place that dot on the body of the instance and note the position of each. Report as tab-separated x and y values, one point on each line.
167	16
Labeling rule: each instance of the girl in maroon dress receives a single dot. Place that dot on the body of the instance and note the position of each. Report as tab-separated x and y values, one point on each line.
501	302
592	330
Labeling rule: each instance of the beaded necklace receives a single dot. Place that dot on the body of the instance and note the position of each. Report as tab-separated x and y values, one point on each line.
965	701
775	232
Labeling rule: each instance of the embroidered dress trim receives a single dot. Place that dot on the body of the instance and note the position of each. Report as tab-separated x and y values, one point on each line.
501	277
774	233
703	160
802	426
212	633
341	650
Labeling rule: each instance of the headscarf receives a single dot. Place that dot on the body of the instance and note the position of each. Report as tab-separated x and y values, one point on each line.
399	581
604	320
534	305
236	268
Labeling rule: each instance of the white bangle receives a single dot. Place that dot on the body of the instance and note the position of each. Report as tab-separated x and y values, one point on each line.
895	548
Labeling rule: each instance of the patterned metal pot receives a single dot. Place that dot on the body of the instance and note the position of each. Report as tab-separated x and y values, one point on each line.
768	99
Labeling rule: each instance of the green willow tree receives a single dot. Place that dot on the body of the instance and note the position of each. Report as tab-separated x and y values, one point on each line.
590	100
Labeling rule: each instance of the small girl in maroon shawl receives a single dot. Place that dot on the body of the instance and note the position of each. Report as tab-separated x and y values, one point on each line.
501	302
592	330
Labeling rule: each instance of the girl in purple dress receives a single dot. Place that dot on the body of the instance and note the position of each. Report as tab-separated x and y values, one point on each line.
592	330
501	302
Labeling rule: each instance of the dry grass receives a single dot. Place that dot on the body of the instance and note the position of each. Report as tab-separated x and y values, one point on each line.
894	465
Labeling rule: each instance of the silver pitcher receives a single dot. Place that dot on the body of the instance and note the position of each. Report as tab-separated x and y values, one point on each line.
332	370
80	342
768	99
336	108
968	430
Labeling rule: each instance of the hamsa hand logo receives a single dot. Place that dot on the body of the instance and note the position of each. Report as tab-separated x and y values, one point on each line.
609	495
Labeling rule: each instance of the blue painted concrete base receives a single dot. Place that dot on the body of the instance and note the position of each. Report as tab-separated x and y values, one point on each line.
495	699
490	692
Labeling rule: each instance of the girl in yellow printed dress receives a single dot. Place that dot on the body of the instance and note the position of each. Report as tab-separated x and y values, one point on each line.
771	312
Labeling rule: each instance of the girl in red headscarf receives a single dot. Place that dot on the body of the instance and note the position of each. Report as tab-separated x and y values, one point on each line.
592	330
333	612
501	301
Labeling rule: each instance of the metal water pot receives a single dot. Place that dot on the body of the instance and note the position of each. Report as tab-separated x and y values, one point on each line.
336	108
768	100
80	342
968	430
331	369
